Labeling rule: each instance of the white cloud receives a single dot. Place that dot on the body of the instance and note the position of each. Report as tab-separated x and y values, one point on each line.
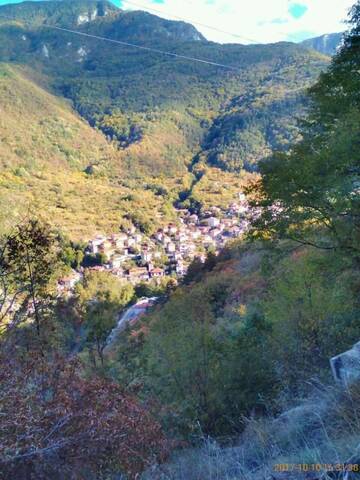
261	20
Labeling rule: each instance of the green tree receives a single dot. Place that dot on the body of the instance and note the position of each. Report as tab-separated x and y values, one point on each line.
101	297
312	308
31	260
311	194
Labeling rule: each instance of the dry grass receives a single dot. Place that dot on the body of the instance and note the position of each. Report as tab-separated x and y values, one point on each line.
323	429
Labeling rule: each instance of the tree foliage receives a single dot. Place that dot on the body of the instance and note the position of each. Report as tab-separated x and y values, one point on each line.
28	264
312	193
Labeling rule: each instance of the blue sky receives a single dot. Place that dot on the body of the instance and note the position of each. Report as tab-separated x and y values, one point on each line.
261	20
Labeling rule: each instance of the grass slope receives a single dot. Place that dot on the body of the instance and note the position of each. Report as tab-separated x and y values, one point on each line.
44	149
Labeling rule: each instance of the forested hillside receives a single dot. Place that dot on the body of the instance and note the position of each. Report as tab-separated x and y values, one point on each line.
53	164
163	111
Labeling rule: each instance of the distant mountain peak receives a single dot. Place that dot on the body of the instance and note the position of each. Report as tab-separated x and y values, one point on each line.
327	44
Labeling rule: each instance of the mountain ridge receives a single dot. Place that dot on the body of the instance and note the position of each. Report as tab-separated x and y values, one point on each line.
327	44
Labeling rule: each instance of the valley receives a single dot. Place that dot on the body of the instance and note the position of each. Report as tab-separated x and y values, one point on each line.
179	245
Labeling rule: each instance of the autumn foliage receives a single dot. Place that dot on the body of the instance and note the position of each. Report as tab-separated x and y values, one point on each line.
57	424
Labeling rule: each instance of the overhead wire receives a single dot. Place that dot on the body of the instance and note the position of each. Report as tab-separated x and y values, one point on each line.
143	47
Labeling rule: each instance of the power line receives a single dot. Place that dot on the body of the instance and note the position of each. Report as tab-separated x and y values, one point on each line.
192	22
142	47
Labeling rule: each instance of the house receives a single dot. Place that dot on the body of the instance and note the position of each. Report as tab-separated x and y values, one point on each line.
213	222
172	229
171	247
138	274
107	248
242	197
119	240
201	257
159	235
227	222
157	273
235	231
181	268
181	237
117	260
130	242
67	283
195	234
215	210
137	237
94	245
243	209
166	240
178	256
146	256
207	239
215	232
193	219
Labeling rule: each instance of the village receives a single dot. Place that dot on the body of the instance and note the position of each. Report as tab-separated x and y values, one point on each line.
137	258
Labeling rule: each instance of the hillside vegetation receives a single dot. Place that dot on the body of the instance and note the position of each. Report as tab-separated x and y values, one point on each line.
53	164
241	350
226	376
163	111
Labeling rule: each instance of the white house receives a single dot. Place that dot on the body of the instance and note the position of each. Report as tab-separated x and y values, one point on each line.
116	261
146	256
95	244
213	222
171	247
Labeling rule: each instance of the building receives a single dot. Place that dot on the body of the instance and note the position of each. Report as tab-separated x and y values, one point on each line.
146	256
172	229
157	273
107	249
181	269
94	245
138	274
213	222
137	237
117	260
171	247
66	284
194	219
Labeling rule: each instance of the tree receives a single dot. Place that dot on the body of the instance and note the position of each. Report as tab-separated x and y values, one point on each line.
101	297
312	308
100	319
29	260
311	194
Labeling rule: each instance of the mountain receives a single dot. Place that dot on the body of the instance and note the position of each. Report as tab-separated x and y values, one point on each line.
159	116
326	44
64	13
119	24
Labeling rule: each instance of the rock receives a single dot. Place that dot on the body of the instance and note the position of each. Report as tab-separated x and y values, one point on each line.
346	366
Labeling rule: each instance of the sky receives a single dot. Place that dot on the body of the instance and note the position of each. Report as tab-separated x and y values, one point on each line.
250	21
263	21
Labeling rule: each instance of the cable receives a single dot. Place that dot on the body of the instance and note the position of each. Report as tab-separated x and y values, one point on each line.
192	22
141	47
